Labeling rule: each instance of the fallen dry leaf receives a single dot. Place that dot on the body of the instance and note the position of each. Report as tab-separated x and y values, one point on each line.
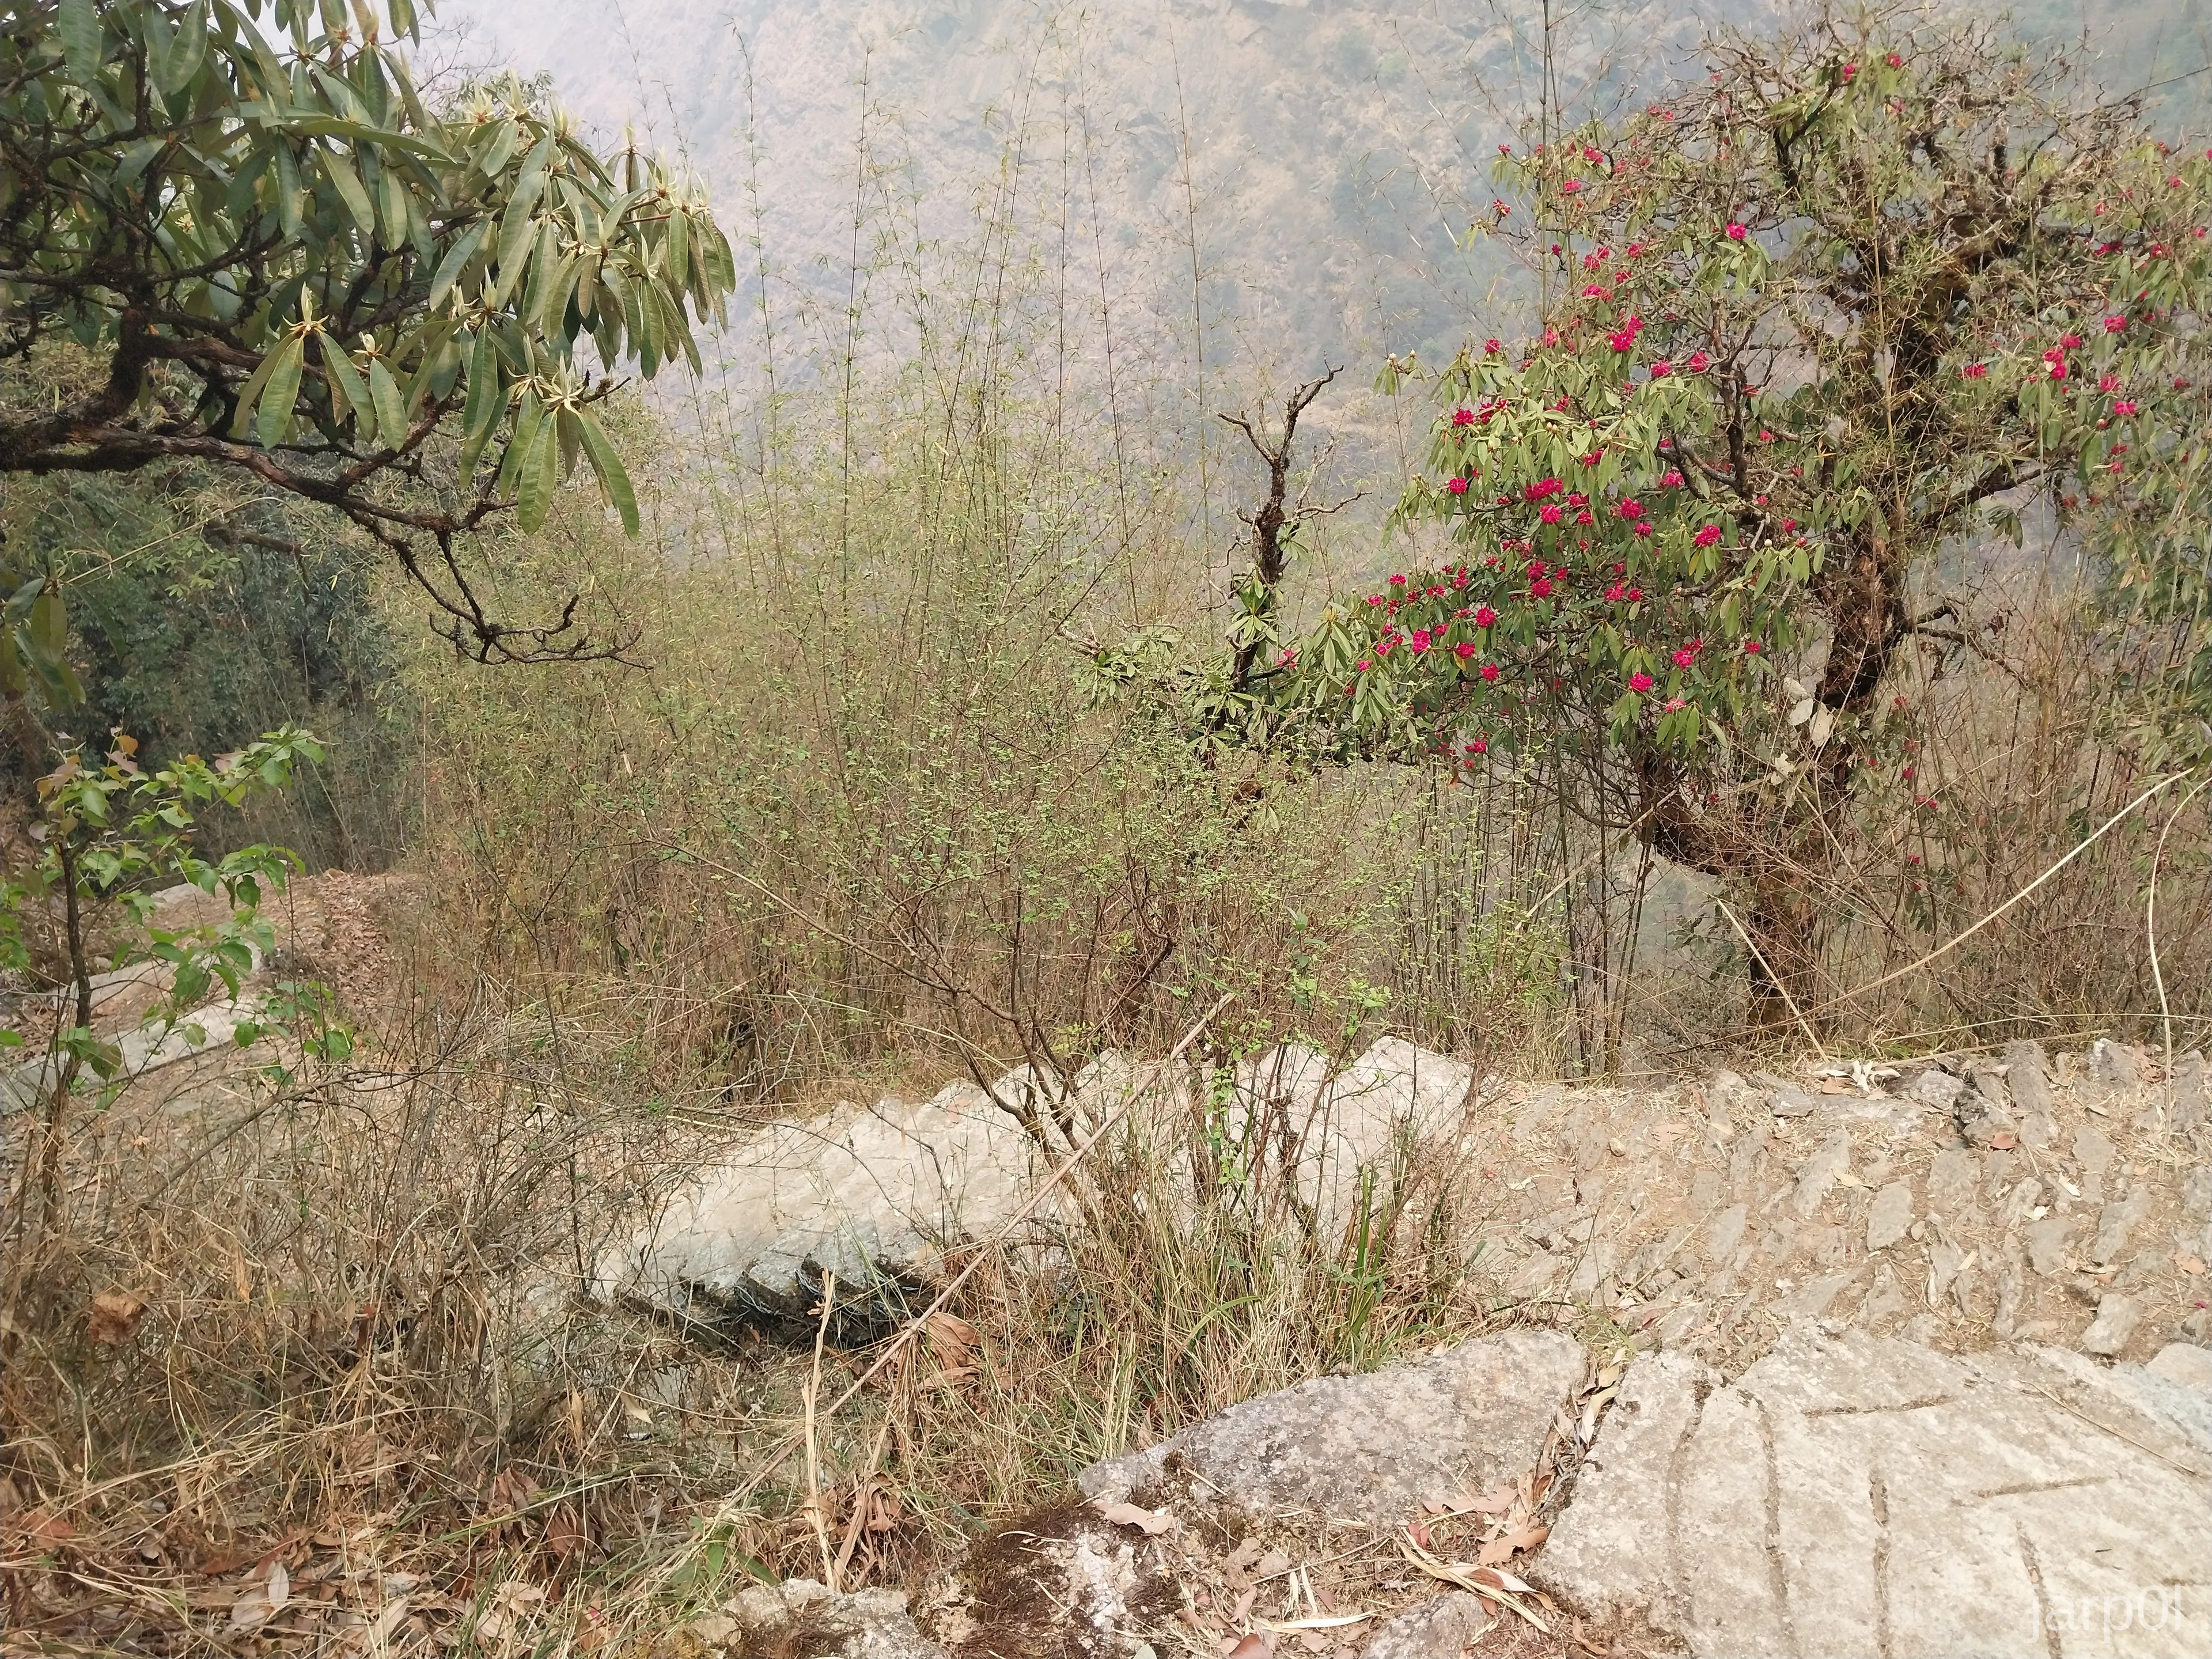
1255	1646
2003	1141
45	1530
951	1340
1154	1521
2188	1264
568	1534
114	1318
1499	1550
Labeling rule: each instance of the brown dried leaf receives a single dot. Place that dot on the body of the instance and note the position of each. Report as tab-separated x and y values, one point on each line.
1154	1521
1499	1550
952	1340
114	1318
2188	1264
568	1534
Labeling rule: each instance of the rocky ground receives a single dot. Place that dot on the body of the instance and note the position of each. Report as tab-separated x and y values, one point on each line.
1896	1359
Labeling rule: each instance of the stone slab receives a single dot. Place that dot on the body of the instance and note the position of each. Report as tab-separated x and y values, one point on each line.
1370	1448
1862	1496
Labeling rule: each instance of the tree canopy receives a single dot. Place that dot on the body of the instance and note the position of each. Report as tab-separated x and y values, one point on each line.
283	259
1873	285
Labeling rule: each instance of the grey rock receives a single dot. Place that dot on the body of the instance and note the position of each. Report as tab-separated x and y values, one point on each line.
1990	1082
1811	1300
1864	1496
1819	1172
1889	1216
1981	1119
2115	1065
2189	1092
1622	1497
2046	1241
1936	1089
876	1195
1727	1233
1444	1627
2118	1316
1951	1181
2116	1222
1370	1449
1348	1129
2028	1075
2197	1193
2183	1363
870	1624
1789	1101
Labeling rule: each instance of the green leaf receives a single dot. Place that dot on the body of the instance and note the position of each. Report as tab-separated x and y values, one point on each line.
49	623
390	408
481	413
78	23
540	470
283	391
449	269
608	464
344	377
341	173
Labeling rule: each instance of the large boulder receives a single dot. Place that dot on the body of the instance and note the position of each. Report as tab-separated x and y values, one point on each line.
1372	1449
1866	1496
877	1195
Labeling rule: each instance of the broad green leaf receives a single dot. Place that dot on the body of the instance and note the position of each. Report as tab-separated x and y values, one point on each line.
77	23
390	408
275	421
249	394
481	413
449	269
342	173
49	623
613	479
537	476
346	379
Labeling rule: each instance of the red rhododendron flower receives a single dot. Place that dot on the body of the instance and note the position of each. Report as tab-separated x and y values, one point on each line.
1736	233
1551	514
1458	486
2114	325
1643	527
1490	348
1685	657
1463	651
1699	364
1894	61
1541	588
2073	342
1483	616
1708	535
1671	481
1753	646
2108	383
2124	406
1976	370
1661	368
1478	747
1462	417
1490	672
1640	681
1631	509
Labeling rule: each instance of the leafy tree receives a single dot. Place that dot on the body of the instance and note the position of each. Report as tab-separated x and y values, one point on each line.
1875	286
286	263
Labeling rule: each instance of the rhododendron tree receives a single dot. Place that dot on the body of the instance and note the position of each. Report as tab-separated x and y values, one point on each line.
1801	328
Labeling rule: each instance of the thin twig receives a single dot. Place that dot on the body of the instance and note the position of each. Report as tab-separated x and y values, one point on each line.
1956	940
1775	979
2150	930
